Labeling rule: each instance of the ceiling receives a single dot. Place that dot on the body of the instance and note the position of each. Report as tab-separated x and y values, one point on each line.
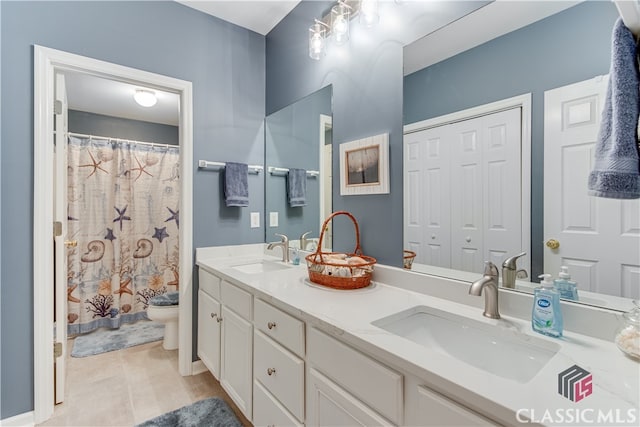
256	15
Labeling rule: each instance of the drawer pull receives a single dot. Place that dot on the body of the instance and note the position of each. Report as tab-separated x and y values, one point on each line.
219	319
214	315
271	325
271	371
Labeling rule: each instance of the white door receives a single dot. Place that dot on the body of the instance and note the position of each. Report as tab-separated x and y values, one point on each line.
463	185
599	238
60	253
427	207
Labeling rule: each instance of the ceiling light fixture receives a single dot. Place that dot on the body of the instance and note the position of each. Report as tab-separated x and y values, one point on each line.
145	98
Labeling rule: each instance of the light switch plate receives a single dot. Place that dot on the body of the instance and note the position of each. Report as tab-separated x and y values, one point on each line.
255	219
273	219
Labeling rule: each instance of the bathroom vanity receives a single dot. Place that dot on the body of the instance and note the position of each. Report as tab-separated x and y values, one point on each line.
290	352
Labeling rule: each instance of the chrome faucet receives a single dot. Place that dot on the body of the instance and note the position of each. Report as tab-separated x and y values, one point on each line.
304	242
488	283
510	271
284	244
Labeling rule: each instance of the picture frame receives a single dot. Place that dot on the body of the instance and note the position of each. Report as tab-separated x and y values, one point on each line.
364	166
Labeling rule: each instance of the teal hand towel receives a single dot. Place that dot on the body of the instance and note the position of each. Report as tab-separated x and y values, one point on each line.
616	172
236	184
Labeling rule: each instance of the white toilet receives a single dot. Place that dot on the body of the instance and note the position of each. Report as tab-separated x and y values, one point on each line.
164	308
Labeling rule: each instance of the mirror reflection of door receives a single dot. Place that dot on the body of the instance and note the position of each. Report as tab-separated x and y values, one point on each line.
326	132
463	192
597	238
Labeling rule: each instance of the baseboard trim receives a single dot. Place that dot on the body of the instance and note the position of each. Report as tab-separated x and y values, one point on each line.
198	367
20	420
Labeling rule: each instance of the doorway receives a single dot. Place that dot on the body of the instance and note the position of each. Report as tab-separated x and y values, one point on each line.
47	64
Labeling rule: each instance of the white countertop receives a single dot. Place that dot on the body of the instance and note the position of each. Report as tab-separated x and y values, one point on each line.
348	314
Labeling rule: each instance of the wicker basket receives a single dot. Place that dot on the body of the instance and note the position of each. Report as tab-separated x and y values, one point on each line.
407	259
340	270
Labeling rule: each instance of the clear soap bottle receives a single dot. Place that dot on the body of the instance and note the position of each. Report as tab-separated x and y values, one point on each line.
567	288
546	317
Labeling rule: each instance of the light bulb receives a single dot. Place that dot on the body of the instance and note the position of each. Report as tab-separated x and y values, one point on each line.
340	23
145	98
369	13
316	41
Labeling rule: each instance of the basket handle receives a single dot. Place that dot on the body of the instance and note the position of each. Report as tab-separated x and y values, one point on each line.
357	250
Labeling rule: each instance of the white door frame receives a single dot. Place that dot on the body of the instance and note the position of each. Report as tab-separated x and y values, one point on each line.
46	62
522	101
326	122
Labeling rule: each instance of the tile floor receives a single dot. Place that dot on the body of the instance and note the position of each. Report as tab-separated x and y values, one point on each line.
127	387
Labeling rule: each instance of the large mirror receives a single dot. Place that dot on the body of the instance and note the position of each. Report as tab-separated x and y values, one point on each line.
570	46
298	186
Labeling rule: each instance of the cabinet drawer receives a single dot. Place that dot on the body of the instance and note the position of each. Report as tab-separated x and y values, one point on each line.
236	299
371	382
439	410
267	411
285	329
209	283
279	371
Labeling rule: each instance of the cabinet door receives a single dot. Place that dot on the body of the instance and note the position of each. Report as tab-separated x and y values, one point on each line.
236	364
268	411
438	410
209	332
330	405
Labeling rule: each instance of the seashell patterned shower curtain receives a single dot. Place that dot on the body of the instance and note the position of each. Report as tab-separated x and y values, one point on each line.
123	210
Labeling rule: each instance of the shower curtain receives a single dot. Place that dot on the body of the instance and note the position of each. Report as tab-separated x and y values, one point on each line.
123	210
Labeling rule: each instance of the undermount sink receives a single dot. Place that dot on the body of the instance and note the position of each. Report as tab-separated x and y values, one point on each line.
261	266
496	349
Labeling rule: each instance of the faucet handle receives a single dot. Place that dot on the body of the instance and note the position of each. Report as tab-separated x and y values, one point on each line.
510	262
283	238
490	269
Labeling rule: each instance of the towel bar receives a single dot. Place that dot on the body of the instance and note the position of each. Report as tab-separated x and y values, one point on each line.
274	170
208	164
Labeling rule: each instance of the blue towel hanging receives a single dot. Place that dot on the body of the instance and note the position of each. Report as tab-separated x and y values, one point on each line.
236	184
297	187
616	172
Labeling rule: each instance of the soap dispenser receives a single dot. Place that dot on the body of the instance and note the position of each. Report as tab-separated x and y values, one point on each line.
567	288
546	317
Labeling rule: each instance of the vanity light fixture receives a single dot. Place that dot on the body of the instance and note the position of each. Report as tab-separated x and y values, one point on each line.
317	35
340	22
145	98
335	24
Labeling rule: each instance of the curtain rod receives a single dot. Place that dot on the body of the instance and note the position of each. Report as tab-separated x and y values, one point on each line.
131	141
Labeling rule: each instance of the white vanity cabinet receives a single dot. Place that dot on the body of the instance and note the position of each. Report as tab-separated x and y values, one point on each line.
209	316
225	337
278	367
346	387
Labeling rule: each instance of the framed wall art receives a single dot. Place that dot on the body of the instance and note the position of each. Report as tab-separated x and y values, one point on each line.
364	166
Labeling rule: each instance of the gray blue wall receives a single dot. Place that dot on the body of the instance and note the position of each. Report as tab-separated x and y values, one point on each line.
117	127
292	140
571	46
227	67
367	100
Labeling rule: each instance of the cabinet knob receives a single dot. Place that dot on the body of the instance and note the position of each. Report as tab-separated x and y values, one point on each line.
214	315
271	371
271	325
219	319
468	239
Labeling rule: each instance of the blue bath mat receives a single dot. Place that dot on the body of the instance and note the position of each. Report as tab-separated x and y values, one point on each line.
128	335
212	412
